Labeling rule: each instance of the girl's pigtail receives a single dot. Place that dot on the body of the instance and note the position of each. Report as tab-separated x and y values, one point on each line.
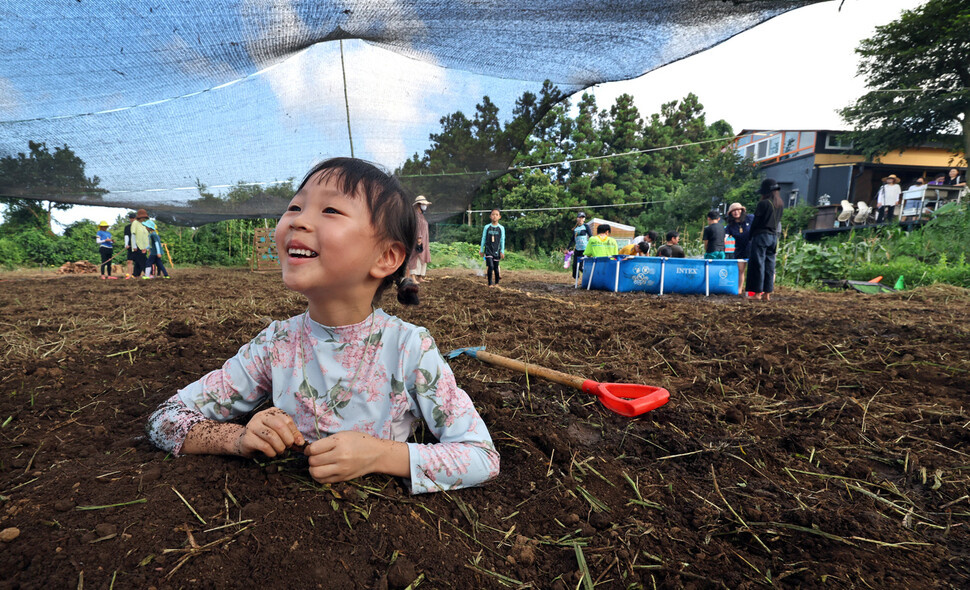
407	291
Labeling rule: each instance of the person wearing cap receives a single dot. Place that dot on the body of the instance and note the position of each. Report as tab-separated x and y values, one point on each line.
764	240
713	236
578	242
129	249
421	256
887	198
140	243
154	253
106	247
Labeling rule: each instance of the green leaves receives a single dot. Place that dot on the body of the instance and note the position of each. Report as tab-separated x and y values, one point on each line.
918	76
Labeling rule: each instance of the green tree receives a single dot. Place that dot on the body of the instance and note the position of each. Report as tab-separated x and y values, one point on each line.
29	180
918	75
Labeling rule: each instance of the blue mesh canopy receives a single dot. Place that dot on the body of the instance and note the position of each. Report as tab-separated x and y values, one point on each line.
157	97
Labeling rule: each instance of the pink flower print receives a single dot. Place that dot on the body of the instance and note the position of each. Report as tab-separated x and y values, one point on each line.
367	428
313	416
351	356
427	343
373	384
452	459
451	402
291	349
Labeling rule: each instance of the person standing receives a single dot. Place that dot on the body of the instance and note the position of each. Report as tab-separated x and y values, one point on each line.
713	237
887	198
139	243
764	240
421	256
129	248
106	247
154	253
493	245
580	238
739	227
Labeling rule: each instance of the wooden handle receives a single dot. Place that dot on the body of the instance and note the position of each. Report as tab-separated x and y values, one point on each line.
529	369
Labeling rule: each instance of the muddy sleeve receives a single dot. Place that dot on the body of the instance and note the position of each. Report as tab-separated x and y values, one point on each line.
464	455
242	383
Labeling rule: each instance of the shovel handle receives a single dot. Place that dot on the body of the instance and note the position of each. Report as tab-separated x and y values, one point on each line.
529	369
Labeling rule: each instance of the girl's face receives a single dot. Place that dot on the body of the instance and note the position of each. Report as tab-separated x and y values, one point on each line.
954	172
328	248
736	214
495	216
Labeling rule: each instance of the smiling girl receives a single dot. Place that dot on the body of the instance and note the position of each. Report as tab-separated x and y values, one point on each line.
346	380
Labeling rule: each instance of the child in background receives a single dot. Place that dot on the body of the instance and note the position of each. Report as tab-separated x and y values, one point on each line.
346	380
106	247
602	244
154	253
713	237
493	245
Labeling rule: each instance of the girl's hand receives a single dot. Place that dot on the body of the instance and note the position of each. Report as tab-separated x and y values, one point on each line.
269	432
348	455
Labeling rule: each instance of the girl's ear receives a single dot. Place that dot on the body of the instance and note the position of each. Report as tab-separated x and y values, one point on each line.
389	261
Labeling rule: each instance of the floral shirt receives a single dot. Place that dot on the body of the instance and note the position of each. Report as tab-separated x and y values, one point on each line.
377	377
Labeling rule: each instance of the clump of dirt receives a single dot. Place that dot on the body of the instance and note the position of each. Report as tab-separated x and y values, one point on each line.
820	438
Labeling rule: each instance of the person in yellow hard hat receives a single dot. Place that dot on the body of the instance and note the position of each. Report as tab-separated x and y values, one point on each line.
106	247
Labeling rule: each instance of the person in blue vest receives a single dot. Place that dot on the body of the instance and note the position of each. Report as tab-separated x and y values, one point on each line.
493	245
580	238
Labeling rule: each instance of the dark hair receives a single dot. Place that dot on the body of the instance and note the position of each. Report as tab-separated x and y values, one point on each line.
391	212
643	246
768	190
713	214
671	235
768	186
131	215
652	235
494	209
602	228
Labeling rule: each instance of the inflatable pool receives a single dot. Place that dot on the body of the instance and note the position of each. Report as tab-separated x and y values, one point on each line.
652	274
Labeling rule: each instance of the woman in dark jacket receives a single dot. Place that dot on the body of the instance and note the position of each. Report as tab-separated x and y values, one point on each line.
738	226
764	240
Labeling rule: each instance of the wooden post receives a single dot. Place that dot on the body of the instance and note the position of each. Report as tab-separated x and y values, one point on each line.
170	263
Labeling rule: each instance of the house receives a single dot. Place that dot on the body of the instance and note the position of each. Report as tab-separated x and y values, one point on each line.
811	163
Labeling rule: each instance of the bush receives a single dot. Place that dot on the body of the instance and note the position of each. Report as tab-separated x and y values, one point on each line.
797	218
11	254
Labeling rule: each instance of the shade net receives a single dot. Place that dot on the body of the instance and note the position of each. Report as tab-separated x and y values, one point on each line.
157	98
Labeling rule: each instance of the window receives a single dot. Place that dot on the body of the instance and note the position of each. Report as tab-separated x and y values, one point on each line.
749	152
807	140
762	150
834	142
774	146
791	142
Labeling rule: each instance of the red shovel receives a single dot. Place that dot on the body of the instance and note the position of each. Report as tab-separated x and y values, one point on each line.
625	399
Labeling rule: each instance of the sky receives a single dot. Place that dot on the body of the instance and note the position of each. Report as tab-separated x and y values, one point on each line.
791	72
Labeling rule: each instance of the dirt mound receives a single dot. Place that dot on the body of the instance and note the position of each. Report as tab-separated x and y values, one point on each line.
821	438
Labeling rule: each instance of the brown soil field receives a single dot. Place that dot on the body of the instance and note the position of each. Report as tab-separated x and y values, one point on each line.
818	440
